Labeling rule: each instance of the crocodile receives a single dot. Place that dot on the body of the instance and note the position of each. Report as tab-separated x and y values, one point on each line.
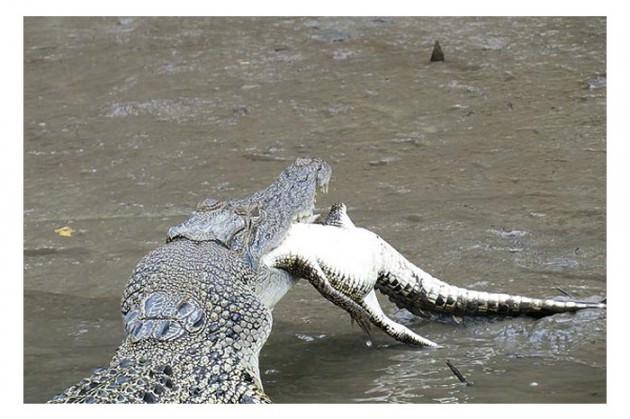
356	262
197	310
346	257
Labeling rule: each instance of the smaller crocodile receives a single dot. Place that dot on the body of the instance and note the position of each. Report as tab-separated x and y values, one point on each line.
348	260
356	261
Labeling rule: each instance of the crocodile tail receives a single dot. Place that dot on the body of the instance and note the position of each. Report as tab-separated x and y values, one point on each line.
422	293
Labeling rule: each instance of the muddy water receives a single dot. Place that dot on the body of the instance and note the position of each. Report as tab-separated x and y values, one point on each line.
487	170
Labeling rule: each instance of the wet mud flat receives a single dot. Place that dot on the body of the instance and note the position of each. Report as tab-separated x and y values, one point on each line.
486	170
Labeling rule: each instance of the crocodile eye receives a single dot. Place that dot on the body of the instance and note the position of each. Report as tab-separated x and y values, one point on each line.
255	212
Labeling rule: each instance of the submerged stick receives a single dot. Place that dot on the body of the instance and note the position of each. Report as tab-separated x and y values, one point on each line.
564	292
458	374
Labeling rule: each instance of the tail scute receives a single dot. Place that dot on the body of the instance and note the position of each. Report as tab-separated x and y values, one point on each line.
433	295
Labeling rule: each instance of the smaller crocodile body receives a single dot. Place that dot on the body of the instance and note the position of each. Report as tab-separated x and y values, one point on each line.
348	260
356	261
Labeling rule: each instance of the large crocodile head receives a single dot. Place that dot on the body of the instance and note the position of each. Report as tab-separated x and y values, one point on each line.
256	224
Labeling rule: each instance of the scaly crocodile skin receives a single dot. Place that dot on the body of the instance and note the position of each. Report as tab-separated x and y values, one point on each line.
197	310
355	261
194	332
411	288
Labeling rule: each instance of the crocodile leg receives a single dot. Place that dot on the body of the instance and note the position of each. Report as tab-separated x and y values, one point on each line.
312	272
363	308
387	325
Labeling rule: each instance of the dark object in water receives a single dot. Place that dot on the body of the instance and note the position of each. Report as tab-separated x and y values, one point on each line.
437	54
458	374
564	292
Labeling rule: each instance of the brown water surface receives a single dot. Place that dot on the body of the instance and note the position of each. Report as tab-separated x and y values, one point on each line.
487	170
